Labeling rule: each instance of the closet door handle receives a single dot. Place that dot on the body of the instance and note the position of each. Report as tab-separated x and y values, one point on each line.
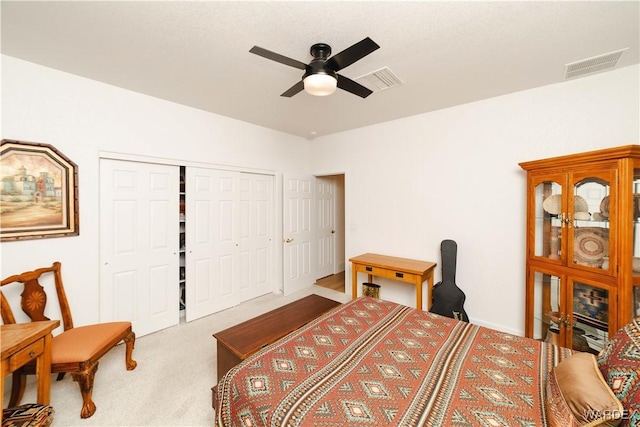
287	240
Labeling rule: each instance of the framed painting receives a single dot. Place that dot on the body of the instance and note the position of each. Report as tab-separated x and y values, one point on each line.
39	194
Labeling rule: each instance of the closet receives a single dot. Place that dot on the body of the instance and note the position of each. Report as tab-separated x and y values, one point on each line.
181	238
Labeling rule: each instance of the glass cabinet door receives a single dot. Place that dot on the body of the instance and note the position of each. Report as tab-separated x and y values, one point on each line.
636	221
591	219
635	262
591	321
548	217
548	315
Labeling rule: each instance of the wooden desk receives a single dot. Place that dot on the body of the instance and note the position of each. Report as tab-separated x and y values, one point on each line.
403	269
23	342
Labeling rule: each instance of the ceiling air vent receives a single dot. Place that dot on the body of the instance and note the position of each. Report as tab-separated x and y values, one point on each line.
594	64
379	80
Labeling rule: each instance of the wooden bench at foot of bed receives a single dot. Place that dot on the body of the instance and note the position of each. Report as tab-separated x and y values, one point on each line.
237	343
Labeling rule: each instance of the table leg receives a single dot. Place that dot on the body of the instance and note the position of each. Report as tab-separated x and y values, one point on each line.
419	293
429	289
43	372
354	282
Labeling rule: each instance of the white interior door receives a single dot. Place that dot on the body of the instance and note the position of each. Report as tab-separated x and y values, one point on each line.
212	241
139	244
256	231
298	215
326	226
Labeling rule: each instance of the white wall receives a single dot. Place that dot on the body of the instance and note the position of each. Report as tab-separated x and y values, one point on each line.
82	118
454	174
409	183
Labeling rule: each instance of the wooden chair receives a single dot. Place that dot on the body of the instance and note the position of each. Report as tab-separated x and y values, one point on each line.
75	350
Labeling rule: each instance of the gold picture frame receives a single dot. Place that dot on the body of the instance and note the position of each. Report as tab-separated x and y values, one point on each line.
39	193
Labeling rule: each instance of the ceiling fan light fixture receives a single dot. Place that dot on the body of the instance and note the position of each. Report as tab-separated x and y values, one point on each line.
321	76
320	84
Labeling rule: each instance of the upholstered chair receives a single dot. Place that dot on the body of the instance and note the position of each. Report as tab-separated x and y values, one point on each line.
76	350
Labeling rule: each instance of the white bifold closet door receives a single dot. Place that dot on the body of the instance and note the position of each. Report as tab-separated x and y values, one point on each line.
139	220
212	241
228	239
229	248
256	232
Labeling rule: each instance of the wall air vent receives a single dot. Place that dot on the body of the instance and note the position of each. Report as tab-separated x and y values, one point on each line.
592	65
379	80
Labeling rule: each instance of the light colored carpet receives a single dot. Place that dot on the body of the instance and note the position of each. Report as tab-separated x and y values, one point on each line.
172	384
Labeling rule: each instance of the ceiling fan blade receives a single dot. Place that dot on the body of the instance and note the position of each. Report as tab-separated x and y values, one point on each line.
355	88
351	54
294	89
277	57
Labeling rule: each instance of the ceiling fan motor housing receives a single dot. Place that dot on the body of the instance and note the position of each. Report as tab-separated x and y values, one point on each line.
320	53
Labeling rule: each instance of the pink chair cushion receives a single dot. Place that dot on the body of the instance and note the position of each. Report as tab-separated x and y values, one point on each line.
82	343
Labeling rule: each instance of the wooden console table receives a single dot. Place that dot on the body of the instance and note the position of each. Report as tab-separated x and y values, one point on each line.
403	269
23	342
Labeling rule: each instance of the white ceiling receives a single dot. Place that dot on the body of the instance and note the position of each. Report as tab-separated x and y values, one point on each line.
196	53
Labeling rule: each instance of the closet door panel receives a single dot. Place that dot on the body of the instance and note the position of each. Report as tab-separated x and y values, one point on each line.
138	243
211	241
256	230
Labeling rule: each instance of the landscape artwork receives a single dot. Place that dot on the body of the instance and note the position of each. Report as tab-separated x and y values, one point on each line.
38	197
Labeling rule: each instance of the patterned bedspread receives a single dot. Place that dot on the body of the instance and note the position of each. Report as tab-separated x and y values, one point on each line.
373	362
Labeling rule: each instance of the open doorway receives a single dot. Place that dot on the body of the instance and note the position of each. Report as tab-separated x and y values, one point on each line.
330	205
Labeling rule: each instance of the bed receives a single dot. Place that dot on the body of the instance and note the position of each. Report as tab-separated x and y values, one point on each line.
374	362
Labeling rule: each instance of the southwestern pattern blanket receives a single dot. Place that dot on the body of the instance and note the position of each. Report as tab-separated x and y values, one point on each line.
374	362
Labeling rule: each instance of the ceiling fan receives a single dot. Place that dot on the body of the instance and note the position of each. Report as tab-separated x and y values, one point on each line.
321	76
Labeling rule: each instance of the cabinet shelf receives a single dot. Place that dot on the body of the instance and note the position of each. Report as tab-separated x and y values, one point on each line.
182	282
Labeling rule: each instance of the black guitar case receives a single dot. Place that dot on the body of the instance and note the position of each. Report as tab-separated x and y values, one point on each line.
448	298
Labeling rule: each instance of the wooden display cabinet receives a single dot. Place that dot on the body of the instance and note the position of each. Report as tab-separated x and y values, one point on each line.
583	246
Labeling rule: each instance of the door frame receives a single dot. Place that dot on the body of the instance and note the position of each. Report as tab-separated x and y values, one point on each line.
340	218
326	241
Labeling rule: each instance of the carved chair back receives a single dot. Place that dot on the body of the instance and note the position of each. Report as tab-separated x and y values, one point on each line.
33	299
